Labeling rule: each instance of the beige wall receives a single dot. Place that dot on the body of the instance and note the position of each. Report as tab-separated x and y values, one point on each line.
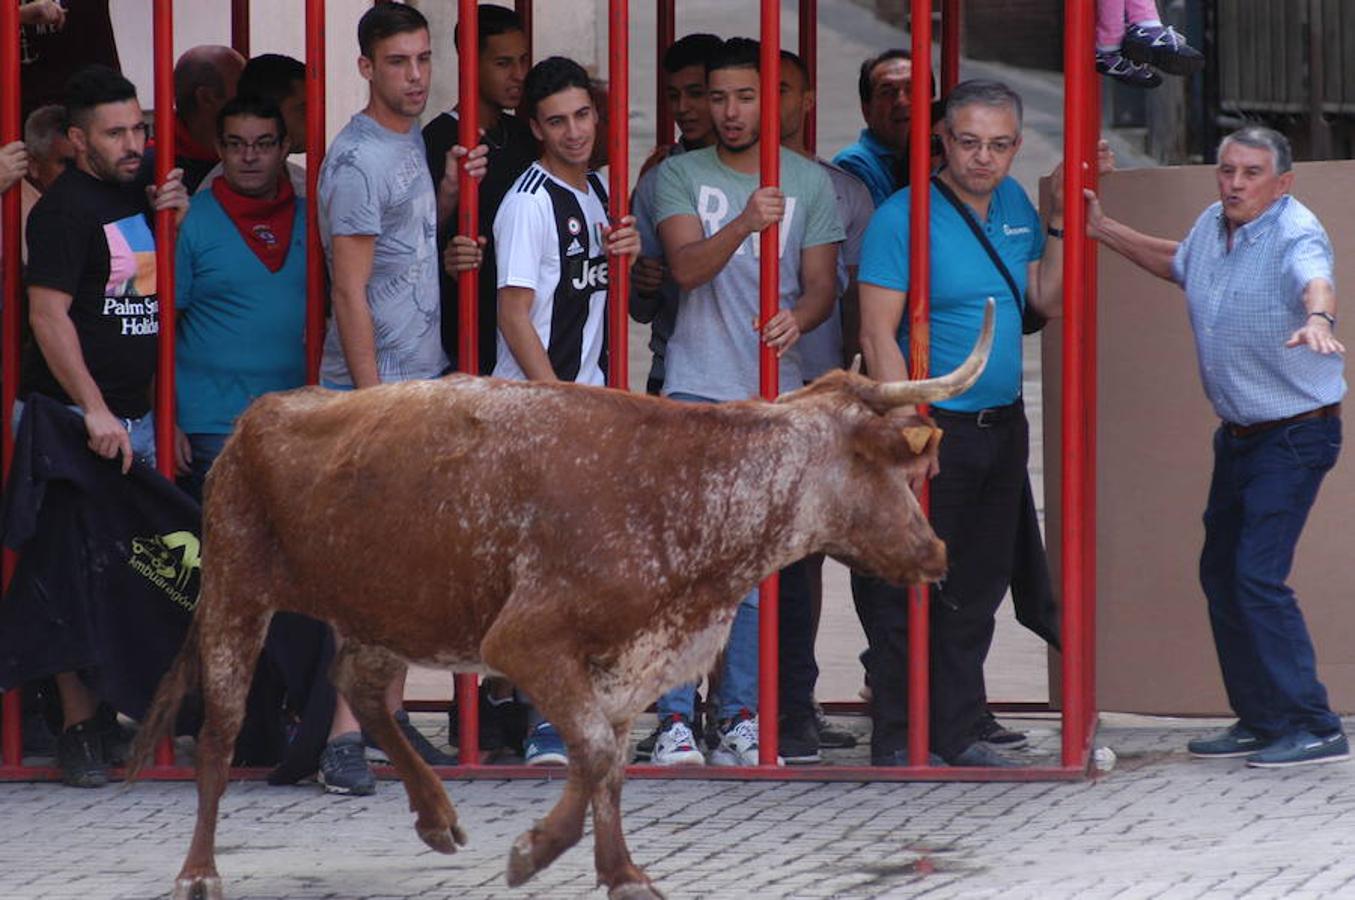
1155	653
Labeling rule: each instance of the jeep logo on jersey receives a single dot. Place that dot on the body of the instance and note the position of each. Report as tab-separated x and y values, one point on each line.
593	275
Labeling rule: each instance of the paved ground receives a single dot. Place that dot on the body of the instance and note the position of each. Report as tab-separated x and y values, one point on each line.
1157	825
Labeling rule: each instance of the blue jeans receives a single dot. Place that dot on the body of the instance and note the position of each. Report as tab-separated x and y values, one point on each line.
738	687
206	448
1262	489
141	431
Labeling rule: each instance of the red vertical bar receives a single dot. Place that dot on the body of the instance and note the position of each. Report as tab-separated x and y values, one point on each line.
468	291
950	45
315	155
1090	397
618	195
1077	52
919	354
524	11
666	34
240	27
769	370
11	740
163	51
809	52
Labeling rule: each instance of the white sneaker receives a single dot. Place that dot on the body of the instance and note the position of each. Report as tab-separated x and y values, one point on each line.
676	745
738	742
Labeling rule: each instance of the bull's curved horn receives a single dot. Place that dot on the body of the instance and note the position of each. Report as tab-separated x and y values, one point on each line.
856	365
905	393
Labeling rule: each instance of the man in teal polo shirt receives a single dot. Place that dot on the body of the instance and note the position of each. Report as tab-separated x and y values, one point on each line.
240	287
880	155
977	493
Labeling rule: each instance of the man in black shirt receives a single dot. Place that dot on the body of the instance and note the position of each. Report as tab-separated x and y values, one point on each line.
94	311
503	66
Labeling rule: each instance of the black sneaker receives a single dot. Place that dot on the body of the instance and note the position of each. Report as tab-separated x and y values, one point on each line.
1115	65
799	745
344	769
830	736
117	738
422	746
991	731
38	737
1162	47
79	753
644	750
978	755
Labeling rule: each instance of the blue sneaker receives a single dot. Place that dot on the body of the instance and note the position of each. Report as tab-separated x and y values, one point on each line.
544	747
1302	748
1236	740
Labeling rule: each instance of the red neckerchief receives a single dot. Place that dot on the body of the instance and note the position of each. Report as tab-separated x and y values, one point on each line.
186	147
266	225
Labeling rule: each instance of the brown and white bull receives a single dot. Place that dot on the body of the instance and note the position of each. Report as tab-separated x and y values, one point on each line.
588	544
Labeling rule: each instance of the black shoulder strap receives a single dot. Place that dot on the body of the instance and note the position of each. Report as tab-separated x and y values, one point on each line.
982	238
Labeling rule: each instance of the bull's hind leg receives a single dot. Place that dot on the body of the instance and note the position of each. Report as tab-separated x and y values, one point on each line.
361	673
230	639
624	879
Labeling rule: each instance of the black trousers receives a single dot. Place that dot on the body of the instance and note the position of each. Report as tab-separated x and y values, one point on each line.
977	501
798	670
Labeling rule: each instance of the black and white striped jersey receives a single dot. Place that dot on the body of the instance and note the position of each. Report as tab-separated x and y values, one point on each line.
549	238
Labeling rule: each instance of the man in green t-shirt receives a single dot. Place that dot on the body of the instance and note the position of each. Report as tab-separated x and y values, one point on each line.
710	209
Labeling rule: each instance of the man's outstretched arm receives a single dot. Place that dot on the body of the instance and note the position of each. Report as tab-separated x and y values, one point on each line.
1152	254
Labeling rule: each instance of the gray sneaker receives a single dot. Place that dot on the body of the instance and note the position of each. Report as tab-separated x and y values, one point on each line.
1235	740
1302	748
343	767
980	755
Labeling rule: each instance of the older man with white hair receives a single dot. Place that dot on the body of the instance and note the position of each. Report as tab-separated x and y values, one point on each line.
1257	272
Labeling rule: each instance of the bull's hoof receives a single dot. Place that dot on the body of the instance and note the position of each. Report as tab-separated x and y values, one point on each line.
443	840
520	865
200	888
634	891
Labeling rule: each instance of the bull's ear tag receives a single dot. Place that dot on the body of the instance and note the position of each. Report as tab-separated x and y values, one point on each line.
918	436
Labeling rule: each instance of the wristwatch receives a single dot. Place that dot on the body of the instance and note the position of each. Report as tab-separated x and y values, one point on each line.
1054	232
1331	320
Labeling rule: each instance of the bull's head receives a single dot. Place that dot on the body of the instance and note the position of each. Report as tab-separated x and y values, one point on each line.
862	504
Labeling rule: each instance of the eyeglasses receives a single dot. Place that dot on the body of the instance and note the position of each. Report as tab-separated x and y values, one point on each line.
997	146
262	145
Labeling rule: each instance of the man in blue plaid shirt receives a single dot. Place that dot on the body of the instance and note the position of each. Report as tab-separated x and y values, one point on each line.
1257	272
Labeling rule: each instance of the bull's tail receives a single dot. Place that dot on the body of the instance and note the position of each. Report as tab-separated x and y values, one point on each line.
183	676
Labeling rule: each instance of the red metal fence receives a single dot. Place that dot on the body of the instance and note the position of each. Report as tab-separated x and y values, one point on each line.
1082	117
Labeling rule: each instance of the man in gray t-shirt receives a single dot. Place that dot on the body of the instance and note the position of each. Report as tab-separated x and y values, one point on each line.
379	219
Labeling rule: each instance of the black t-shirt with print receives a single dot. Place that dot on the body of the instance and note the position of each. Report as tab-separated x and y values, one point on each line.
512	148
94	240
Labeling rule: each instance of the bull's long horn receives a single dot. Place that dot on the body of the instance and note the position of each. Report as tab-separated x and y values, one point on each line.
905	393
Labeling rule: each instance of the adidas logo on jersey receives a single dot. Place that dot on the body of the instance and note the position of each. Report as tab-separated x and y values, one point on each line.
574	248
593	275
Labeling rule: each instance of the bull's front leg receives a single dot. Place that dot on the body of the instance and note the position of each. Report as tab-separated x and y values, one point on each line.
361	673
624	879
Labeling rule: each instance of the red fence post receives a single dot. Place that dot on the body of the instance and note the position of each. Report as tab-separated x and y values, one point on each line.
809	53
11	741
1077	53
919	353
240	27
1093	136
315	155
468	292
618	193
950	45
666	34
769	369
163	53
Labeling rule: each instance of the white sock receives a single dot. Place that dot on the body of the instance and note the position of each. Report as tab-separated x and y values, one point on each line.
1148	23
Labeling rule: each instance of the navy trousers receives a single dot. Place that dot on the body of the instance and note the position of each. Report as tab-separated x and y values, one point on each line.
1262	489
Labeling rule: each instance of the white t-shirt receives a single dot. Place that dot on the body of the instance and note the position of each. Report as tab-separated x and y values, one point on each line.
541	221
